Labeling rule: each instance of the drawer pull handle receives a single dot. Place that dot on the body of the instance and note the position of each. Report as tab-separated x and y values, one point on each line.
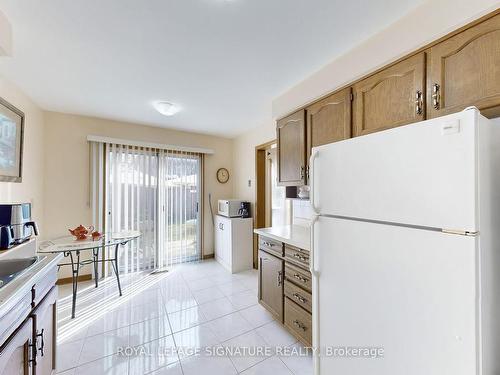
299	325
300	278
299	298
300	257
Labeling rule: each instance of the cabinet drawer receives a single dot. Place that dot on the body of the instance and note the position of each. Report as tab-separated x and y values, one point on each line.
44	285
14	317
298	295
298	321
271	246
298	276
297	256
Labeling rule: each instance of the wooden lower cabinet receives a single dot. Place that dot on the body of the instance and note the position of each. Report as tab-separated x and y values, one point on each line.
298	321
393	97
271	271
285	287
16	352
464	71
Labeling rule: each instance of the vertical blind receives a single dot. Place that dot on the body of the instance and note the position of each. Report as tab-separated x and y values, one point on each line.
156	192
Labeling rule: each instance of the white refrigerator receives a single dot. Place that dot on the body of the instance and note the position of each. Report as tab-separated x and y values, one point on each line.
406	250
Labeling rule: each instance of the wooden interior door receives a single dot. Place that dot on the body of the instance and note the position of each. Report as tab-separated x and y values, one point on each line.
464	70
45	323
291	134
271	271
390	98
329	120
15	354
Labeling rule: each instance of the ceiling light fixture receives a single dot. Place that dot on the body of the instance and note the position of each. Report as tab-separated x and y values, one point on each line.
166	108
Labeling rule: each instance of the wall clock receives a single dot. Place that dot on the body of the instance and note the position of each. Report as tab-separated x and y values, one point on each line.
222	175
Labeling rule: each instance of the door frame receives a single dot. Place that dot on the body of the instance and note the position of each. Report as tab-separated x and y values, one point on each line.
259	217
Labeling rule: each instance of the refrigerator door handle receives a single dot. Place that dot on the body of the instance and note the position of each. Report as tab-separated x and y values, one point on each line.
312	253
314	155
315	299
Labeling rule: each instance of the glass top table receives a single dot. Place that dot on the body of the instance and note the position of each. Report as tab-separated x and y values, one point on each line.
71	248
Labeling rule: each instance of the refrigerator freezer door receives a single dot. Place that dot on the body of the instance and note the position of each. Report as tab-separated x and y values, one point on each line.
409	292
421	174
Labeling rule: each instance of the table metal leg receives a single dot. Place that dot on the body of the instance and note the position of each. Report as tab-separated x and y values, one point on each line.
75	268
95	258
114	263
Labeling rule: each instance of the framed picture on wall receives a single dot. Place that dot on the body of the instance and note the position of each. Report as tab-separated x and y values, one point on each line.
11	142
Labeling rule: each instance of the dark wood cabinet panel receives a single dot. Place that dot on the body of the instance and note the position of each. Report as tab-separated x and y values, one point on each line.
291	135
329	120
464	70
271	280
390	98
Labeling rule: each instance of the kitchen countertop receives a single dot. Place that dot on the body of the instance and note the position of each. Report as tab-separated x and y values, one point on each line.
295	235
14	291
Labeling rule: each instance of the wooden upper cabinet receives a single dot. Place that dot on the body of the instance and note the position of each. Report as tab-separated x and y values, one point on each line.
329	120
291	135
464	70
393	97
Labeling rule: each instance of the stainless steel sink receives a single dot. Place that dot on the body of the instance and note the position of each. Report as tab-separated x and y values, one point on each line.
12	268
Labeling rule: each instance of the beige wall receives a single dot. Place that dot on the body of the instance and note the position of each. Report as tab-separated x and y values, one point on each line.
244	159
31	188
67	166
426	23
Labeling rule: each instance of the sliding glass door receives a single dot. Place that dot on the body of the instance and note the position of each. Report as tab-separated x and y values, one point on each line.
179	197
158	193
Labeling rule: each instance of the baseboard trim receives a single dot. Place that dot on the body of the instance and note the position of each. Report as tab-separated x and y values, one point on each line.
69	280
208	256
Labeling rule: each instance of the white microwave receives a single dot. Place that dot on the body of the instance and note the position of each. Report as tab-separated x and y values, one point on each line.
229	207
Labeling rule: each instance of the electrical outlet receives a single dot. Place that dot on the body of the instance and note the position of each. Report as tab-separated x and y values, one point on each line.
249	183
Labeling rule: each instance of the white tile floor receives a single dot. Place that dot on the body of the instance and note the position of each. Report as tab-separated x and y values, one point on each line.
167	323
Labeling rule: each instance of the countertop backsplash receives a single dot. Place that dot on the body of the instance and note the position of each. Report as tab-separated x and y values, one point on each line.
302	212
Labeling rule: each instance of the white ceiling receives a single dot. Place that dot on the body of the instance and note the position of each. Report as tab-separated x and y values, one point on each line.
223	61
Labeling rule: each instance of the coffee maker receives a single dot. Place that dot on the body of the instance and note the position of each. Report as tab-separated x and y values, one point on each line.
244	210
16	225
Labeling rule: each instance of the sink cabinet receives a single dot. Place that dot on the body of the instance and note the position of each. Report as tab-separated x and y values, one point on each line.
44	328
16	352
28	330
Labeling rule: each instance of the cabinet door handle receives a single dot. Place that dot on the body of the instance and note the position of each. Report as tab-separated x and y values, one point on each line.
280	278
419	102
299	325
302	172
42	344
436	96
299	298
